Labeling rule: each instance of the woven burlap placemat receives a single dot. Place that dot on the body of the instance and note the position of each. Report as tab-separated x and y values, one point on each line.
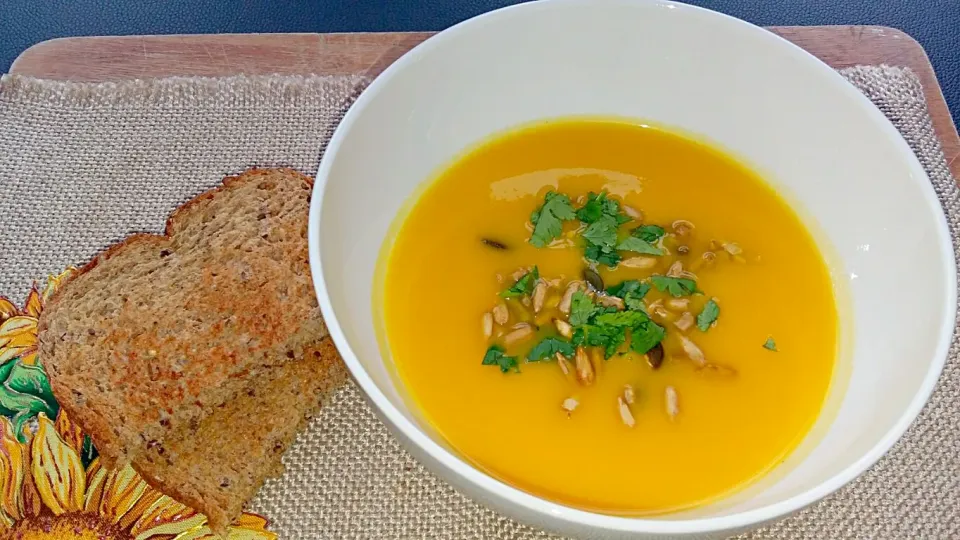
82	165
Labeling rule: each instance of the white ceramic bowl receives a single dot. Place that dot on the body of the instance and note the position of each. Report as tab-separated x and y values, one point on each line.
815	137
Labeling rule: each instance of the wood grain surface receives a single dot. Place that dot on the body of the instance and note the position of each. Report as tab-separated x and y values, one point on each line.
97	59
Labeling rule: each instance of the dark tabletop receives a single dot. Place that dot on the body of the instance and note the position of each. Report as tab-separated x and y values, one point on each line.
934	23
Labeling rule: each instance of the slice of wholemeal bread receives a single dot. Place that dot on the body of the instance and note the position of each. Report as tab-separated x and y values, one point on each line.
221	464
151	339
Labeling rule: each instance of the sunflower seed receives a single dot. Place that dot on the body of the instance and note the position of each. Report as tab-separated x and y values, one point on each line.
573	287
501	315
656	308
584	368
682	227
672	402
564	364
539	295
693	352
610	301
520	334
732	248
625	415
684	322
632	212
639	262
563	327
487	322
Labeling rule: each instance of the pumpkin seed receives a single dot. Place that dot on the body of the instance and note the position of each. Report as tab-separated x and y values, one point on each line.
593	279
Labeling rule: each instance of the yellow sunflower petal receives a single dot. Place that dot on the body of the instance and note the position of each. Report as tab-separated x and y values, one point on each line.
57	470
146	502
31	502
54	282
69	431
96	478
121	492
233	533
33	307
166	517
29	358
247	527
9	353
7	308
12	471
15	326
251	521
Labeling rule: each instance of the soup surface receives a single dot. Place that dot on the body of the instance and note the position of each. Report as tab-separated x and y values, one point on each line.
699	362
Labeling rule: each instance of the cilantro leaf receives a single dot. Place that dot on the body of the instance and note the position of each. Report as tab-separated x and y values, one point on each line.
624	287
549	347
639	245
606	256
602	232
592	209
548	219
495	357
709	314
649	233
674	286
523	286
600	205
632	293
770	345
621	318
581	308
645	336
609	337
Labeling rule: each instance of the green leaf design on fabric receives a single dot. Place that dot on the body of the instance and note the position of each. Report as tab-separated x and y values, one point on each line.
24	392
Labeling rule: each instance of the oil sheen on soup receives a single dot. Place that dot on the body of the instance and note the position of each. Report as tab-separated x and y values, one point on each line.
610	315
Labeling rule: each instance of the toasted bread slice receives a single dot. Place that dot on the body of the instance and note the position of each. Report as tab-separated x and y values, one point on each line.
160	331
220	465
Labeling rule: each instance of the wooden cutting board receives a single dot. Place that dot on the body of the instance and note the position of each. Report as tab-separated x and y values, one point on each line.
96	59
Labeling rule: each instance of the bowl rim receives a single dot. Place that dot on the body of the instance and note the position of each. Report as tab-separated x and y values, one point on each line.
546	510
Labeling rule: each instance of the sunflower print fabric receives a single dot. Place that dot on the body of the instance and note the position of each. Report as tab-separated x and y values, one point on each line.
51	483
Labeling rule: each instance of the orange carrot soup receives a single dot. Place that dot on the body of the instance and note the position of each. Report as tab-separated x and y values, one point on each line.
610	315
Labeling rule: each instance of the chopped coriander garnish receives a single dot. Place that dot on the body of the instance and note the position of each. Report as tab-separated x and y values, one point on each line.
605	256
609	337
549	347
770	345
598	206
630	287
602	232
646	336
632	293
639	245
649	233
523	286
621	318
674	286
548	219
495	357
581	308
708	316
